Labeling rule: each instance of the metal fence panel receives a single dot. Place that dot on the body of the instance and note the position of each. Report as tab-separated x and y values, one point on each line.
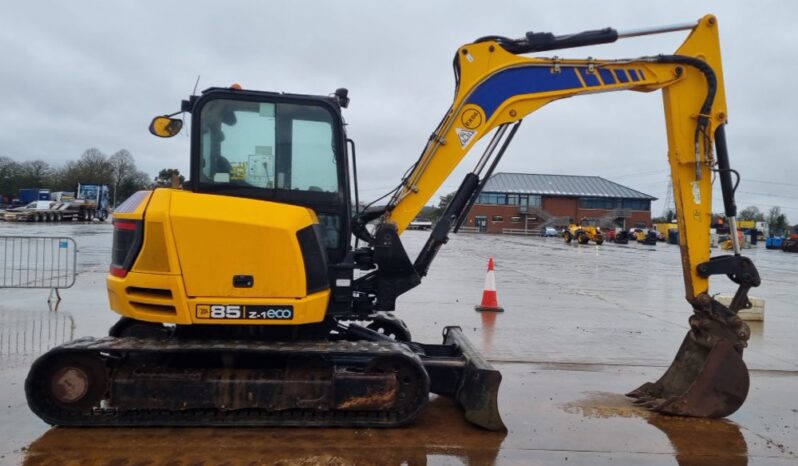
37	262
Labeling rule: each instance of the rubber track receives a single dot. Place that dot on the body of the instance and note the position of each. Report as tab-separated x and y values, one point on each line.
112	348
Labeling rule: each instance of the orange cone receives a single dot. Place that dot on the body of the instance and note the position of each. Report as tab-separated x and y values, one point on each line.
489	300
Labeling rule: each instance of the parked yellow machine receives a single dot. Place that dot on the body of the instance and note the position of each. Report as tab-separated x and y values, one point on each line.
646	236
239	297
664	228
585	232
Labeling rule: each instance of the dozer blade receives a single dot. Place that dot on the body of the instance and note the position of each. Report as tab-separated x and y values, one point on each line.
703	381
456	369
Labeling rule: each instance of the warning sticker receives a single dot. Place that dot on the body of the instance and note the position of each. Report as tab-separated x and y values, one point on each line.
465	136
696	192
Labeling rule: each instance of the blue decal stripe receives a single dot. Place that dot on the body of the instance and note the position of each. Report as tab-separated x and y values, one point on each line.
519	81
606	76
633	74
642	76
621	75
589	78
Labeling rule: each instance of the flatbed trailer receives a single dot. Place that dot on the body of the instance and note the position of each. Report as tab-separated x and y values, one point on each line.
63	212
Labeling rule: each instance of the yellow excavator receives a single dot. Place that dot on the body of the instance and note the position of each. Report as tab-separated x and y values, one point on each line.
257	295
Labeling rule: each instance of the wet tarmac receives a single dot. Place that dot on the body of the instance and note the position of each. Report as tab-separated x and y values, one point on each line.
582	325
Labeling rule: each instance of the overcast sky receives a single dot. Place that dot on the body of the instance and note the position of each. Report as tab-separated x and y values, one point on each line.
83	74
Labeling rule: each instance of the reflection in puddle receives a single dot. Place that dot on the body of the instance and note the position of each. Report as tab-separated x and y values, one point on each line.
488	327
695	441
440	435
606	405
757	332
24	335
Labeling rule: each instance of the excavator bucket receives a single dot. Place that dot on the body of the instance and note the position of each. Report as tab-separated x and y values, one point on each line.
704	380
456	369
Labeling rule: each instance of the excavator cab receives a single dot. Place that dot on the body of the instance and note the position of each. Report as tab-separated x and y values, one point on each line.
274	147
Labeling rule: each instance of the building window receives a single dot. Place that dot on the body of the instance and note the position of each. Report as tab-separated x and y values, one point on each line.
497	218
492	198
515	219
637	204
531	200
597	203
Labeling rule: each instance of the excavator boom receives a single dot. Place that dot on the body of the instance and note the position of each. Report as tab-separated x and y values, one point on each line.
497	88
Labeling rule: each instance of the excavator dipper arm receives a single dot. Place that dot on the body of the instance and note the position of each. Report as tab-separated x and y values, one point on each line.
497	88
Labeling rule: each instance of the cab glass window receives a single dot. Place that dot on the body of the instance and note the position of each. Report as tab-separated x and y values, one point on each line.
268	145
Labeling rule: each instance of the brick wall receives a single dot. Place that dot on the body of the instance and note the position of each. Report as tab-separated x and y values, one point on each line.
561	206
639	216
507	212
555	206
635	216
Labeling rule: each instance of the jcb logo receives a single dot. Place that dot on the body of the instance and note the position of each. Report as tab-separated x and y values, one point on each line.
220	311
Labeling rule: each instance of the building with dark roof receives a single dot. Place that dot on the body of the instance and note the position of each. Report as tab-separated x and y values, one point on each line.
525	201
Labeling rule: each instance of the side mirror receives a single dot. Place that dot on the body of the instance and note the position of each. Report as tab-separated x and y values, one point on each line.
165	127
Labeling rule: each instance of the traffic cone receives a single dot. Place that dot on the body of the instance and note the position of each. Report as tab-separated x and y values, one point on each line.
489	300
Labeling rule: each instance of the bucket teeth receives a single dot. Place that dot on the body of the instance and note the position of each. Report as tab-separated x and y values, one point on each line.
647	390
702	381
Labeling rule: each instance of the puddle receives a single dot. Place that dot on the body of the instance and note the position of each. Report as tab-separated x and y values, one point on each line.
606	405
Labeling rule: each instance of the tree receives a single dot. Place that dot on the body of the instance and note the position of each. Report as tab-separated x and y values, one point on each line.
122	166
164	177
9	177
29	174
777	221
118	171
66	177
94	167
442	204
752	213
35	173
136	181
